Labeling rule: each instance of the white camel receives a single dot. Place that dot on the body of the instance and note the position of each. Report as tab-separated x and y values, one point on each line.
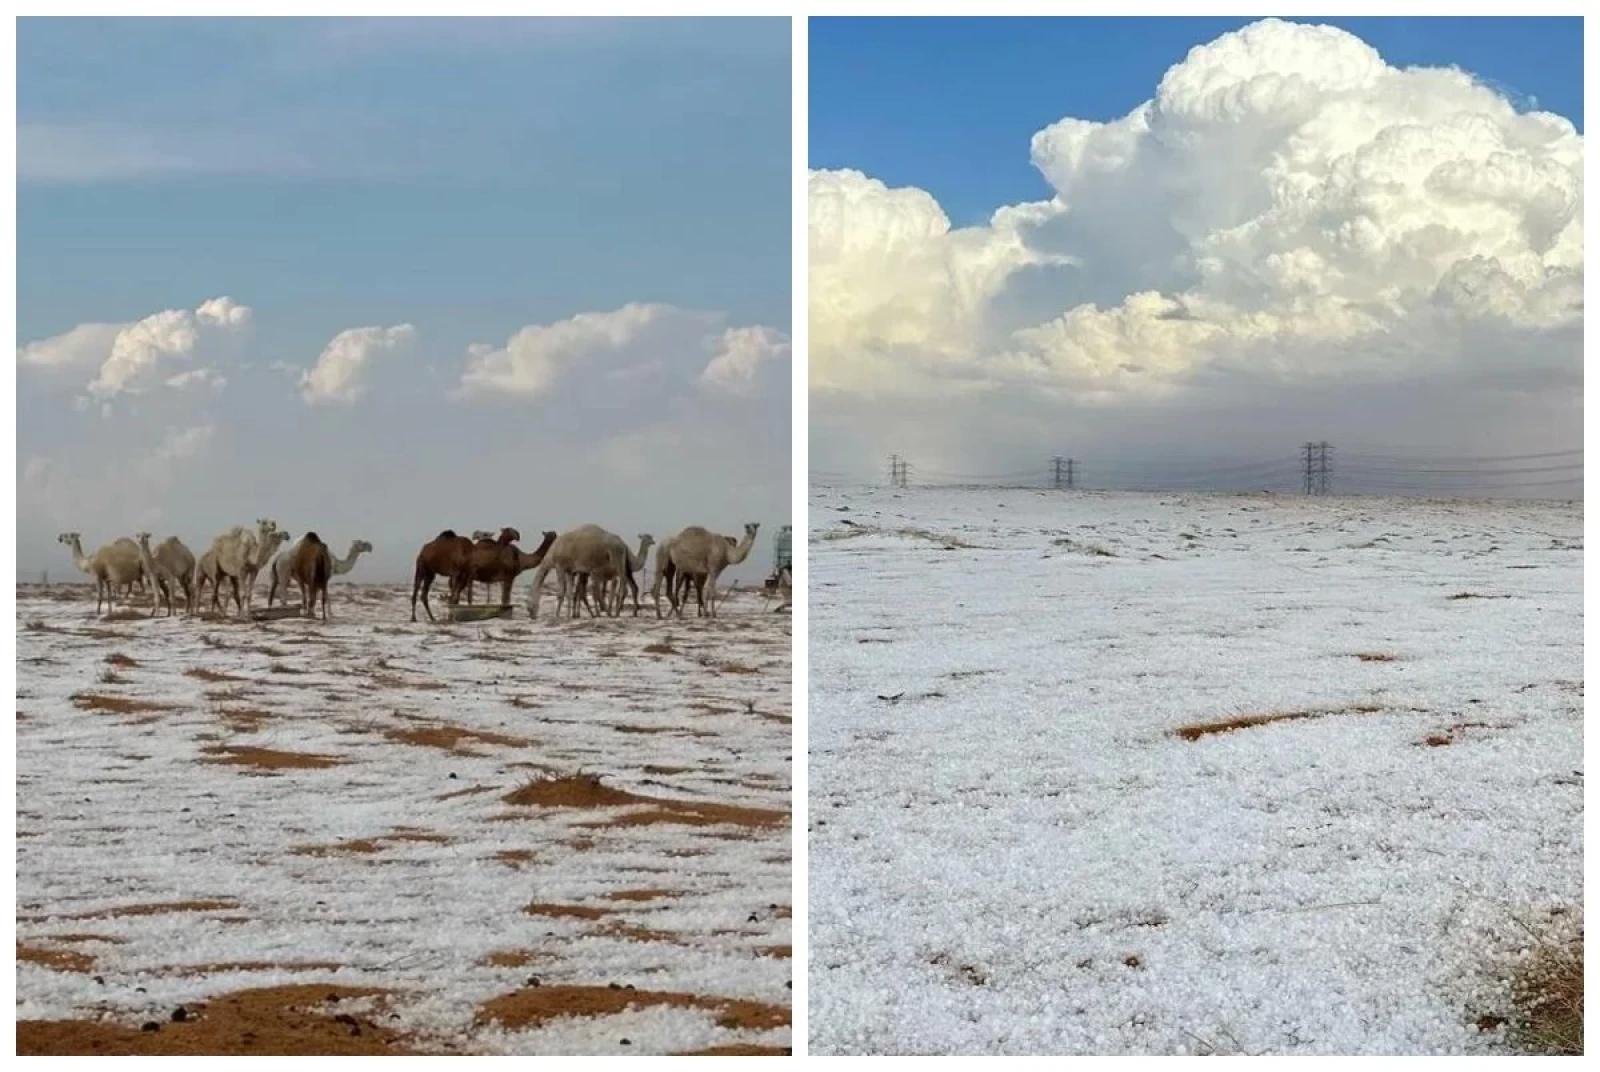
234	555
268	539
699	555
113	565
170	568
613	598
282	573
588	549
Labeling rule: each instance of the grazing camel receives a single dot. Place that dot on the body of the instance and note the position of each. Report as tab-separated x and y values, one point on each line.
633	563
115	564
701	555
176	558
588	549
311	569
442	556
487	559
170	568
283	565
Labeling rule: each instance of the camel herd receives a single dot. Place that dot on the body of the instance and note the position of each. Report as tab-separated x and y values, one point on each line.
594	568
236	556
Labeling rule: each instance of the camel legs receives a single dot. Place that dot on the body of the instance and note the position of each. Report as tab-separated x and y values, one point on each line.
711	582
421	582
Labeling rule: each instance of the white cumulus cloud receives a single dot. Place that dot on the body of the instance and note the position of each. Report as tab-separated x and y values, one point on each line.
341	372
132	358
743	357
646	346
1286	206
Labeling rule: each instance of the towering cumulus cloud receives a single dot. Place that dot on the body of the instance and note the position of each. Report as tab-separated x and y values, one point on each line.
1287	209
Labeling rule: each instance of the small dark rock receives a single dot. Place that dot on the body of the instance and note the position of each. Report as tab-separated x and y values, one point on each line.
345	1018
100	979
614	986
138	990
180	1014
150	1025
452	774
753	919
627	1042
533	980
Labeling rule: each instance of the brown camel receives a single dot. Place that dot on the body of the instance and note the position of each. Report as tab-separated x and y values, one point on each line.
313	566
486	558
506	563
443	556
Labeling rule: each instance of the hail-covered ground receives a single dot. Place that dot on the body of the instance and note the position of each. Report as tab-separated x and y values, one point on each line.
1129	773
512	837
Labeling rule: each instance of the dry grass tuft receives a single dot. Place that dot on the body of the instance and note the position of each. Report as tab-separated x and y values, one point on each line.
124	616
1375	657
1547	996
116	658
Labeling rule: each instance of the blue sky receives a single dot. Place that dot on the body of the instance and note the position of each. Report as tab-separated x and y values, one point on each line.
471	178
944	104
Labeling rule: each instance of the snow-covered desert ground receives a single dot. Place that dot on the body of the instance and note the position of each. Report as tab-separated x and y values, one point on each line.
1014	849
406	816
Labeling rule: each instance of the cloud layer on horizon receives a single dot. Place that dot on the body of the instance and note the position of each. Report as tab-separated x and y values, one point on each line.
1286	213
636	399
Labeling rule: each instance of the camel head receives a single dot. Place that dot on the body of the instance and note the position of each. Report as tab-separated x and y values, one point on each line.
69	538
362	546
143	538
750	528
508	535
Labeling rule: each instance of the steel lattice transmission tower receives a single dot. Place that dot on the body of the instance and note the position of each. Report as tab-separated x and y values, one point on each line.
1318	466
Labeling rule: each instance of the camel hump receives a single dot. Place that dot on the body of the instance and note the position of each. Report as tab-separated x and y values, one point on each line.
447	534
311	537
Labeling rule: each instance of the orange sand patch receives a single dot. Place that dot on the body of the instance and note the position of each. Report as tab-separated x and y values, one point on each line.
450	738
120	705
55	959
589	792
558	911
268	758
281	1020
537	1006
204	674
